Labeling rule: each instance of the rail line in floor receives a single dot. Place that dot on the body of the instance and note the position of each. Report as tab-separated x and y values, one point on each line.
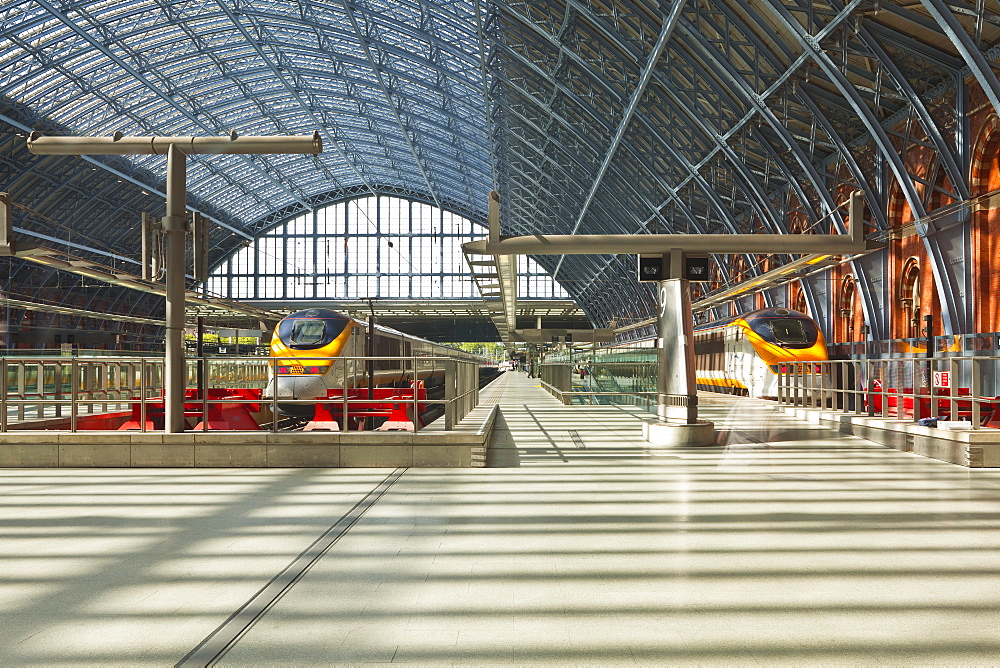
213	648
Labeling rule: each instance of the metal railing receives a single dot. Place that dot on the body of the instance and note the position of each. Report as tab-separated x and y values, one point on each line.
42	391
911	388
604	383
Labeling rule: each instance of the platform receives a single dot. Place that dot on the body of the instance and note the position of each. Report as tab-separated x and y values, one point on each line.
786	544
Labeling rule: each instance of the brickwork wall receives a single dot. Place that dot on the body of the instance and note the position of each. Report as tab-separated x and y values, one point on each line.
985	178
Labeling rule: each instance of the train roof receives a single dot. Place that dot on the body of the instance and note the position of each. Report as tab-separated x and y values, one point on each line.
764	313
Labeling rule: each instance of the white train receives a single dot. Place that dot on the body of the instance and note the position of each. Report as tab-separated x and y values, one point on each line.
313	351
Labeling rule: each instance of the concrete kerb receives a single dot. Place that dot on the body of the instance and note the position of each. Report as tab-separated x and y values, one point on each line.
972	448
463	447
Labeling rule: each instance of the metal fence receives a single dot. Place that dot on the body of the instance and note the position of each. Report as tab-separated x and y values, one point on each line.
908	388
602	383
57	392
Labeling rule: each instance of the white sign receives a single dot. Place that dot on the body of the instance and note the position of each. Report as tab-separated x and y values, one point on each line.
942	379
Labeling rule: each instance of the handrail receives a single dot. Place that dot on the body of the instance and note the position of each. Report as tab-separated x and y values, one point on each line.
99	383
899	388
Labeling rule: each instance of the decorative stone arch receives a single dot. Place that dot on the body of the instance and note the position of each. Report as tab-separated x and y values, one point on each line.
899	212
797	298
908	264
849	316
984	178
715	274
909	299
740	271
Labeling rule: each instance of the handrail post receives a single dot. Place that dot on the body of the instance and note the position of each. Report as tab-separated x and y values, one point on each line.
204	385
975	390
57	387
142	395
416	390
274	394
3	400
953	388
343	394
450	383
75	394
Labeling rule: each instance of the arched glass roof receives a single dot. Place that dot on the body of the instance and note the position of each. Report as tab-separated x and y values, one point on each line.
588	116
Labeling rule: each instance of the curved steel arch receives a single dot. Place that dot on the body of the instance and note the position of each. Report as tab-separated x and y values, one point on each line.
747	106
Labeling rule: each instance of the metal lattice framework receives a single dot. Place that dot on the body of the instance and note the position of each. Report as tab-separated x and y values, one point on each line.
617	116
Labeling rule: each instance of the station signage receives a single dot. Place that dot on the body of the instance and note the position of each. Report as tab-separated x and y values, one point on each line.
655	268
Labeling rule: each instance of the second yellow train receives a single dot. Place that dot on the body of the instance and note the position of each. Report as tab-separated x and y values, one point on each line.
744	354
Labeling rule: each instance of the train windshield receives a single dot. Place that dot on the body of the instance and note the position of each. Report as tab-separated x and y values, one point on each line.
312	328
307	332
788	330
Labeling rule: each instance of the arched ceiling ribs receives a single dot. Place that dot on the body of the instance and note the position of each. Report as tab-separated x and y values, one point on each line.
874	208
651	62
760	201
377	70
332	139
488	99
850	94
142	183
139	75
644	78
955	174
766	113
576	159
973	57
553	116
608	90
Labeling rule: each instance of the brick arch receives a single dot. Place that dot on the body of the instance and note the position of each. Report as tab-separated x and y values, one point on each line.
849	316
984	177
739	272
936	198
797	297
907	253
764	264
908	303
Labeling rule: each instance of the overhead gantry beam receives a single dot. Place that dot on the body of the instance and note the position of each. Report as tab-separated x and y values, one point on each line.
604	244
174	224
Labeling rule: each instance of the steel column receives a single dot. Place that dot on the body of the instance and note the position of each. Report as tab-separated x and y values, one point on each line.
175	378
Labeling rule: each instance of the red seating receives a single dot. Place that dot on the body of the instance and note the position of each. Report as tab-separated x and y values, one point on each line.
989	407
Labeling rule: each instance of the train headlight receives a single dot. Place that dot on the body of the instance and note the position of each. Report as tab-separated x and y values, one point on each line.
317	369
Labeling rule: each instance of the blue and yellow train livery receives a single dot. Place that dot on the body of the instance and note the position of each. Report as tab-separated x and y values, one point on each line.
744	354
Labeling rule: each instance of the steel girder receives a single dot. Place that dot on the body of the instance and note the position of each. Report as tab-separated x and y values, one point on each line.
587	115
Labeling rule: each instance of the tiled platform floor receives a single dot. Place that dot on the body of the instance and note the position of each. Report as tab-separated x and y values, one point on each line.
786	544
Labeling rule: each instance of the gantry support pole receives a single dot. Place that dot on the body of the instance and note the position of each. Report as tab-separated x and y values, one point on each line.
174	228
174	223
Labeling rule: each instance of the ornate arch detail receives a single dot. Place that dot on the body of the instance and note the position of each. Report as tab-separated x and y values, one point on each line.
985	158
909	297
847	309
984	177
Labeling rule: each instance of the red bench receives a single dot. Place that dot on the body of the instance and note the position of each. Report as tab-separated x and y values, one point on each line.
989	407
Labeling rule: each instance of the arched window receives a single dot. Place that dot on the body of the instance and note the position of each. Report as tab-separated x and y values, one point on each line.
846	308
799	302
909	297
377	247
985	179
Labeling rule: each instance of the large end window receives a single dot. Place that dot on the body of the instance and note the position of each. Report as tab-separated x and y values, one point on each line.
371	247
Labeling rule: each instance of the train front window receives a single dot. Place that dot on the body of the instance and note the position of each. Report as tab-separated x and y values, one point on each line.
788	330
307	332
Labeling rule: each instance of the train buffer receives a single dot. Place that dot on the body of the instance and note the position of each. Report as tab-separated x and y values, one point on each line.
221	416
